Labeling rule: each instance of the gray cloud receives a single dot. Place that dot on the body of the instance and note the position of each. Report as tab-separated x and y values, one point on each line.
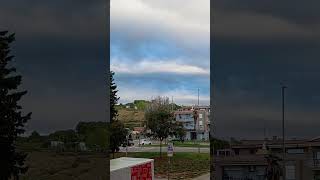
294	11
60	52
72	19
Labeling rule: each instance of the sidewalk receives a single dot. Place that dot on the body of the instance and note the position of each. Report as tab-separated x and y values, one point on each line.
203	177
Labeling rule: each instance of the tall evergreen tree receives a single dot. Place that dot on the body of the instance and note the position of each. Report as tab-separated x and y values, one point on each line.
118	132
11	119
113	98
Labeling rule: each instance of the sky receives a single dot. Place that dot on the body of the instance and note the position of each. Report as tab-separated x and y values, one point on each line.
256	46
60	52
161	48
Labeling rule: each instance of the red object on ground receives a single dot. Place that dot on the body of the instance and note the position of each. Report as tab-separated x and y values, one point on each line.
141	172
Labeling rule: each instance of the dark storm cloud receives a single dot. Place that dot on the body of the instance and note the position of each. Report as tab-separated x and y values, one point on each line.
257	45
295	11
68	19
269	20
60	52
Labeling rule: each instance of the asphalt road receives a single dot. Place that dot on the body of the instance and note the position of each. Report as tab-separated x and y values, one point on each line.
136	148
164	149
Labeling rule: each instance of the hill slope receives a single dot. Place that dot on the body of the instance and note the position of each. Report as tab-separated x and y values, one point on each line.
131	118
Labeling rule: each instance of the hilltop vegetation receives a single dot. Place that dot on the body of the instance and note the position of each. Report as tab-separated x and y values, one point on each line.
135	105
132	114
131	118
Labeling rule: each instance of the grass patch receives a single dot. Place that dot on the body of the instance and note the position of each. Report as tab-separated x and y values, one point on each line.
183	165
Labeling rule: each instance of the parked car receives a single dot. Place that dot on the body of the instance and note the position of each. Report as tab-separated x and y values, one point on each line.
129	143
145	141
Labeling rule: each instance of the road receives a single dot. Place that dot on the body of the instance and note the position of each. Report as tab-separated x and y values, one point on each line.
164	149
136	148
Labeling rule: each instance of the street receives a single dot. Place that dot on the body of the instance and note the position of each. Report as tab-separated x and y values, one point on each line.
164	149
136	148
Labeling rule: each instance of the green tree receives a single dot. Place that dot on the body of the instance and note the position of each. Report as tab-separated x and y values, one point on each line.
98	137
180	132
113	98
118	136
159	119
95	134
35	136
141	104
84	127
12	121
219	144
117	130
66	136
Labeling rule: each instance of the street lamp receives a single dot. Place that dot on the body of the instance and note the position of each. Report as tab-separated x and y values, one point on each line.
283	87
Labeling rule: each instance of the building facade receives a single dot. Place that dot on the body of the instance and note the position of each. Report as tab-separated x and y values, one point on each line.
247	160
196	122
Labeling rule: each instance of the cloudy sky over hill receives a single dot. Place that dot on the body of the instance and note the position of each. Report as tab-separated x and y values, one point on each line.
161	48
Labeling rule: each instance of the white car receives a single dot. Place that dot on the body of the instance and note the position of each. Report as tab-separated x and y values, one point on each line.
145	141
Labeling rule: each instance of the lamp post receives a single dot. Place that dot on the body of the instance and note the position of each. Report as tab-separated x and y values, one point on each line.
127	143
283	87
198	121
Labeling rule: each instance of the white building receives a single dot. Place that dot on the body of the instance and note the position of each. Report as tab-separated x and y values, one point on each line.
197	128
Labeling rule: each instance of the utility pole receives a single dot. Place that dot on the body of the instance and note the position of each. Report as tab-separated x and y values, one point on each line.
198	97
198	121
172	103
283	133
127	138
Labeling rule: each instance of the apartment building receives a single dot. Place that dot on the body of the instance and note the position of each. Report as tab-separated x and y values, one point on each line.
195	121
247	161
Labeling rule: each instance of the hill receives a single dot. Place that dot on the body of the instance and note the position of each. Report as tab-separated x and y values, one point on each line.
132	114
131	118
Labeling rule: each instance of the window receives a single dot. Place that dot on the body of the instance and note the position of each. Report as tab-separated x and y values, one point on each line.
252	168
200	123
236	151
290	172
252	151
200	115
317	177
295	151
227	153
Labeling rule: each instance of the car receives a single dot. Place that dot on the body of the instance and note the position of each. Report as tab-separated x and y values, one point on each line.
145	141
129	143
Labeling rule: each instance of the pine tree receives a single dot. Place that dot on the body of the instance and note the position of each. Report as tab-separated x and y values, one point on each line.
118	132
113	98
11	119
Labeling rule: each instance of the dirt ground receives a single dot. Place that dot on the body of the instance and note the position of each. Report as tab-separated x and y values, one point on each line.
67	166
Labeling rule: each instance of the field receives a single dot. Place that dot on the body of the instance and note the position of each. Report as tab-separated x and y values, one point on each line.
61	166
183	165
45	165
